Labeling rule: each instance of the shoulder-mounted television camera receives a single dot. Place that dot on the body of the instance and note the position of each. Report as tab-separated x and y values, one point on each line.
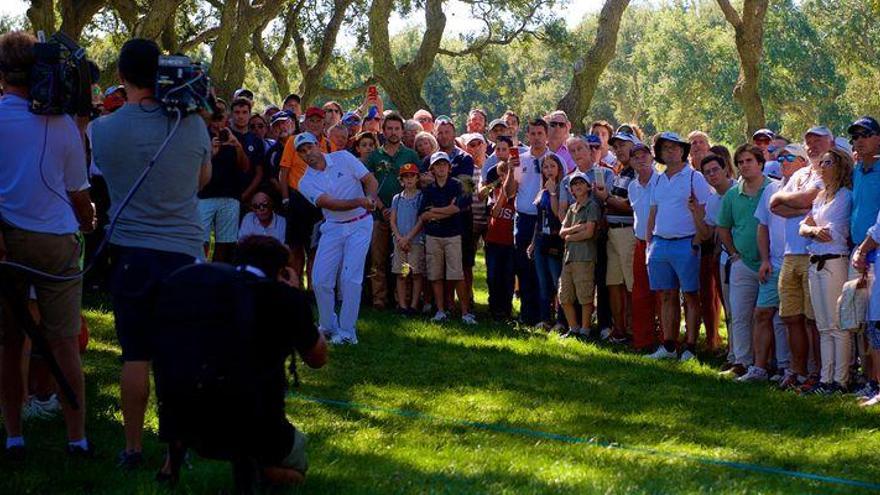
182	85
61	78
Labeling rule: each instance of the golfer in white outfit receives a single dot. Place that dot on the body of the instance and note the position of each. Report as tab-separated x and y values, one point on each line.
345	190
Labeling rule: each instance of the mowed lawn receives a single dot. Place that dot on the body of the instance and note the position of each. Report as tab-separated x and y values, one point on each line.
421	408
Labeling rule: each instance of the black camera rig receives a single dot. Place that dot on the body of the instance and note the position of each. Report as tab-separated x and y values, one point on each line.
61	78
183	86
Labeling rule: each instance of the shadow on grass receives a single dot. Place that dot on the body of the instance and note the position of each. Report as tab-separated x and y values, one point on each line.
588	392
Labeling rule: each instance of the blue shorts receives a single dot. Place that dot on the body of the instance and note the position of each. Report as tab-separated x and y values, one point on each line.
220	215
673	264
768	292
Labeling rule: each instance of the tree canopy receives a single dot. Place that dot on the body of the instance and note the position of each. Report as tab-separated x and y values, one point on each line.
674	64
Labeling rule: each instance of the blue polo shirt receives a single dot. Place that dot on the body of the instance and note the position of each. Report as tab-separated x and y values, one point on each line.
865	200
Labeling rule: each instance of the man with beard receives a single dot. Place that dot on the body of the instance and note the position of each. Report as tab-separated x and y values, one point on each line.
384	163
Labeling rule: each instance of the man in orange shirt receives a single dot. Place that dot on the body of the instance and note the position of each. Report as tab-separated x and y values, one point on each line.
301	215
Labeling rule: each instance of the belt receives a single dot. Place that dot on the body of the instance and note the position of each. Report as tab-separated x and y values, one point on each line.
820	259
619	225
350	220
674	238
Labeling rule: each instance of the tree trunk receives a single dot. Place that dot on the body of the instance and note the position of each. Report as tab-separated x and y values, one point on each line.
159	15
238	20
77	14
41	13
749	35
404	84
589	68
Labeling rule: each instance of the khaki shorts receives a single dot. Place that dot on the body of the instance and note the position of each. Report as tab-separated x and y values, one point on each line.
794	287
443	258
59	303
415	257
621	245
577	283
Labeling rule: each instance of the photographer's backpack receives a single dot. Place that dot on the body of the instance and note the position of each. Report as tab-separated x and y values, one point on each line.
203	351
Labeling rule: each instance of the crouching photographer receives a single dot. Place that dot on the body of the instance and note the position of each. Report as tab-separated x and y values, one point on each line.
222	340
44	203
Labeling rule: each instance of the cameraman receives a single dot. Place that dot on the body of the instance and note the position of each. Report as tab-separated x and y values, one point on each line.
44	201
159	231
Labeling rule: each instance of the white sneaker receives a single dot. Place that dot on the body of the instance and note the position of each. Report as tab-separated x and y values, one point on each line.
754	374
440	317
468	319
873	401
605	333
350	340
687	356
662	353
337	339
781	376
41	409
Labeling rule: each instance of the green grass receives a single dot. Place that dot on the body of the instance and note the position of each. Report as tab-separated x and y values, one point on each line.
505	377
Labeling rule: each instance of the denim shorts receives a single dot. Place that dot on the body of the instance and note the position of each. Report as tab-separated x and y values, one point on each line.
768	292
673	264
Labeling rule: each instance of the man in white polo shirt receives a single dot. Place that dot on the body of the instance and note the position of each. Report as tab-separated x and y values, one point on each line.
345	190
526	184
673	254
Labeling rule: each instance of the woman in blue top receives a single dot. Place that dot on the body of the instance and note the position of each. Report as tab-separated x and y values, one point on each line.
546	247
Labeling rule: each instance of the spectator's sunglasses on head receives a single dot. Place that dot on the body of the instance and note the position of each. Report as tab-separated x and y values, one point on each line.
786	158
859	135
260	206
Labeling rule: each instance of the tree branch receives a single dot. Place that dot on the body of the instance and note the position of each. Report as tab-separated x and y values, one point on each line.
200	38
341	94
730	13
488	40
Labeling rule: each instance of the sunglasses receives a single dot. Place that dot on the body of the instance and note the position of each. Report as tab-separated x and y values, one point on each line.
786	158
557	124
260	206
826	163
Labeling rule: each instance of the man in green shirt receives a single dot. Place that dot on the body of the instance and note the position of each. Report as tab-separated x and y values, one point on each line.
738	230
384	163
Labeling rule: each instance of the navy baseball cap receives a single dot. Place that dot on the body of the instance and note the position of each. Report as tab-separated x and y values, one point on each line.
867	123
279	117
304	138
592	139
622	136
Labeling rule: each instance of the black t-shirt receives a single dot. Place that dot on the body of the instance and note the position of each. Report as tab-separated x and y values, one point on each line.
435	196
225	176
255	149
284	324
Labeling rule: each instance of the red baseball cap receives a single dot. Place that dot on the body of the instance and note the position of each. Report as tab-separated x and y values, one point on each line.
314	111
409	168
